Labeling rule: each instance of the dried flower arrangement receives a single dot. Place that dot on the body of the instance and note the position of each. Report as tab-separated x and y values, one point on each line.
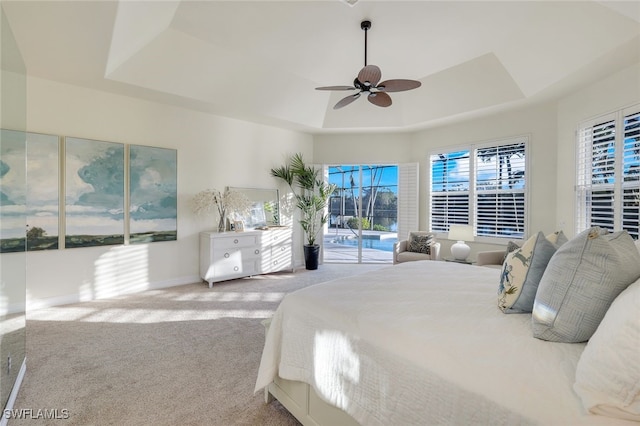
226	202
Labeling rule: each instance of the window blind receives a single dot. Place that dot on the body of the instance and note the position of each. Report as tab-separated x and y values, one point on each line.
450	184
407	199
500	190
483	186
608	167
631	175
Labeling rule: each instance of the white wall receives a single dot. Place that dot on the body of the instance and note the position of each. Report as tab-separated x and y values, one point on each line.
212	152
365	148
610	94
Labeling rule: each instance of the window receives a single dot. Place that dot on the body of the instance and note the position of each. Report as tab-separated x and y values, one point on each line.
608	172
483	186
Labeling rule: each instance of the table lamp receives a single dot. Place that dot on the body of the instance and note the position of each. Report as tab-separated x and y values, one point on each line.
460	233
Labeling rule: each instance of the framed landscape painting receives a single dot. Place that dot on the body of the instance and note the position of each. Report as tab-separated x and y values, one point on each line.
43	199
12	191
153	209
94	193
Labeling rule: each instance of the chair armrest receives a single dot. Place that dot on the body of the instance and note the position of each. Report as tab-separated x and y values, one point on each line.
435	251
493	257
398	247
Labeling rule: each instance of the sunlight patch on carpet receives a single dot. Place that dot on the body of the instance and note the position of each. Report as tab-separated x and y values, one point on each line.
146	316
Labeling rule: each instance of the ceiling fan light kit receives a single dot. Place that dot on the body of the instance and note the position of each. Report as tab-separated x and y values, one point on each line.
368	81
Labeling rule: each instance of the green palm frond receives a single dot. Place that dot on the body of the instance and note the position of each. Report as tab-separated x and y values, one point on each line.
285	173
312	196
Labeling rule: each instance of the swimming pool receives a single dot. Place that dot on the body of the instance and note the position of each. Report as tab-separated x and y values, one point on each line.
372	243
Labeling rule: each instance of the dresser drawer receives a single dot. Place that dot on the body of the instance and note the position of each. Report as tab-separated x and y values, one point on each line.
236	241
277	236
234	265
281	257
248	252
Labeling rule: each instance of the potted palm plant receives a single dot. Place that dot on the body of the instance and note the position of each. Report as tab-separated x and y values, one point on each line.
311	194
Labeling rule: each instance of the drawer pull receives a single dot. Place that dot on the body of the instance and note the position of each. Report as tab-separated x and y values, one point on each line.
235	241
235	268
257	251
226	255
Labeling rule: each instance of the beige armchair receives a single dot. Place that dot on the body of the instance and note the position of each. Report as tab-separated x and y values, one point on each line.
491	259
495	258
405	251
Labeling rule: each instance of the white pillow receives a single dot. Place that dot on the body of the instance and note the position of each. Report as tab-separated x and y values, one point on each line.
608	371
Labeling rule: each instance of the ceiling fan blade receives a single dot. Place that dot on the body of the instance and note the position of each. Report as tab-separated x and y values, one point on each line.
380	99
336	88
371	74
346	101
399	85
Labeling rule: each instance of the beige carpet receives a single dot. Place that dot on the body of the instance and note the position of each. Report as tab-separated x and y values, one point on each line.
186	355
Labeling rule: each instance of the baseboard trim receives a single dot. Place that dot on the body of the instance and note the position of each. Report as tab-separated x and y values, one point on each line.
14	392
48	302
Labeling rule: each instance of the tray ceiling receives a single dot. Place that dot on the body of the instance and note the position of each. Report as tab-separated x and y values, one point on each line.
261	60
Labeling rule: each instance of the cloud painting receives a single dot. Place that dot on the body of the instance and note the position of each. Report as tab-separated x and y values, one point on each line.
94	193
12	190
42	191
153	209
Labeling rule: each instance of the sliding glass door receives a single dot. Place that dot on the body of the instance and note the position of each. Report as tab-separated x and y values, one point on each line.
363	214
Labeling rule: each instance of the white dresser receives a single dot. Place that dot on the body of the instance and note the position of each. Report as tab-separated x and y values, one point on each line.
228	255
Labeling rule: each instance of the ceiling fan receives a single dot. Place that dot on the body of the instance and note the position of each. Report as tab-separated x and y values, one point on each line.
368	81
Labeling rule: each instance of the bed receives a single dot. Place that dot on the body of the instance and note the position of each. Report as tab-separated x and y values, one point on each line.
418	343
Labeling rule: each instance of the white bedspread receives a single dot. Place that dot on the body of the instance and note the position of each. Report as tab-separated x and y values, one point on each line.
423	343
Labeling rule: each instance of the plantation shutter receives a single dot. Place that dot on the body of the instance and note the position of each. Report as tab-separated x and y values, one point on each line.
608	167
500	189
408	219
483	186
324	174
631	174
450	196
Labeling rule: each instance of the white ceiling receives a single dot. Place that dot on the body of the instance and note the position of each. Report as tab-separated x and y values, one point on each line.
261	60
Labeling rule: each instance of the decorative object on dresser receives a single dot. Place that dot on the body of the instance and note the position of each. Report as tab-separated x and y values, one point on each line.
229	202
229	255
460	233
311	198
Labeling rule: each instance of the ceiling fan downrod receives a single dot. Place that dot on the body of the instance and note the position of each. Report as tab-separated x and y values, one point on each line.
365	25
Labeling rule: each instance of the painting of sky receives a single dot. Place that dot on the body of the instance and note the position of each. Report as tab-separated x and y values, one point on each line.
94	192
12	190
42	190
153	212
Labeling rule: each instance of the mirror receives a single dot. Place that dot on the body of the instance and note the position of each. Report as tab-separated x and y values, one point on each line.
13	215
264	210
